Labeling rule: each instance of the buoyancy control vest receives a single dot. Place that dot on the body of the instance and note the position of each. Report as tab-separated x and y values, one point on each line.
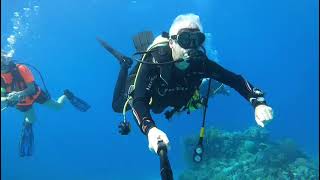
17	83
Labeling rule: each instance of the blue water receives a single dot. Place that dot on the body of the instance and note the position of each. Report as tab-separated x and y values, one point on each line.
274	44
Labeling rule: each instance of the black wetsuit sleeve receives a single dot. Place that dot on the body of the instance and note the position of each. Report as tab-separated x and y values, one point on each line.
235	81
142	96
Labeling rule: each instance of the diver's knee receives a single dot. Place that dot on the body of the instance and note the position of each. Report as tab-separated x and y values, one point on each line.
30	116
30	119
54	105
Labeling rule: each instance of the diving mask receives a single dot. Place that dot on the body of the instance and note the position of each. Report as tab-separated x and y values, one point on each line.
189	38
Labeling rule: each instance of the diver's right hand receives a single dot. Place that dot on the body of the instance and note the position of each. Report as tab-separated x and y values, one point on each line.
154	136
13	98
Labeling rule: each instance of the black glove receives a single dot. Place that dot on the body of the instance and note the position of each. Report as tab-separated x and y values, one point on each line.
124	128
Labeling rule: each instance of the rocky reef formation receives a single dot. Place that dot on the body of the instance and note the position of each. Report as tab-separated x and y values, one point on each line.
247	155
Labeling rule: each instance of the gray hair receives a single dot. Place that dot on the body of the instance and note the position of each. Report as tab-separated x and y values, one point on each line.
185	21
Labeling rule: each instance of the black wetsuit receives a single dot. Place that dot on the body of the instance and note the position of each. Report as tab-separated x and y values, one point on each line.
159	87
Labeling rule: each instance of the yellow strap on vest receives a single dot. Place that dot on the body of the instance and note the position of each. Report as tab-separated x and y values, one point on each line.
195	97
202	132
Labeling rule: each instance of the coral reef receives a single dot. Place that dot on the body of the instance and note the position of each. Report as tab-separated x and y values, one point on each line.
247	155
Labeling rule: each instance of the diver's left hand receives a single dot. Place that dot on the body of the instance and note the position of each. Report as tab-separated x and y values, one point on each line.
263	114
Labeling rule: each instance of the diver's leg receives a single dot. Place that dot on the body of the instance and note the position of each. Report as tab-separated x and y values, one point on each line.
30	116
78	103
45	99
119	94
56	105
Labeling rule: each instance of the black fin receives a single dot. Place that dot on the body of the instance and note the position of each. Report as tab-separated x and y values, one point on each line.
142	40
121	58
26	140
76	102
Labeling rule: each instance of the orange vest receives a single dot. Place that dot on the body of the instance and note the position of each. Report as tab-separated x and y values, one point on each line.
14	81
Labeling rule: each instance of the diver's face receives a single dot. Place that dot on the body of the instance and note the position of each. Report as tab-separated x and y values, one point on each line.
177	51
4	65
186	39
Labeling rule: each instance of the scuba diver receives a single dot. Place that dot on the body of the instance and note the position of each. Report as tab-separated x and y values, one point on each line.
141	42
19	90
169	75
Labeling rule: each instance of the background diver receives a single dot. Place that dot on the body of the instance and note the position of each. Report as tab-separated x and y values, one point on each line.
19	90
169	75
